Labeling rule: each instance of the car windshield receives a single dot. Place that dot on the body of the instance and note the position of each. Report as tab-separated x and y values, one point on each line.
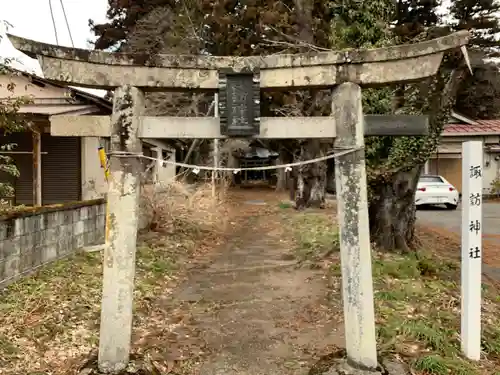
430	179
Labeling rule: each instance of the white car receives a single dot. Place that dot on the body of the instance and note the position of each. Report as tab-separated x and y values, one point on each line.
435	190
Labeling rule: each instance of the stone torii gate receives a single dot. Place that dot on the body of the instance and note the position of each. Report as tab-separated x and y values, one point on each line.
238	81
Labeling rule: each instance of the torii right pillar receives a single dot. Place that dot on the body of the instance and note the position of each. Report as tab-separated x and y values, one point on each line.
352	206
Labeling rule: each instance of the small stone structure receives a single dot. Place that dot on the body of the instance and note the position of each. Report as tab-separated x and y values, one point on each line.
30	239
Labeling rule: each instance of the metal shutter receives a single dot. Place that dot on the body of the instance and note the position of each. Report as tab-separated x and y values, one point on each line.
61	169
23	184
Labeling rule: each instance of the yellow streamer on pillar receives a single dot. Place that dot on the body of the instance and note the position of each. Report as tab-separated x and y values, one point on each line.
104	164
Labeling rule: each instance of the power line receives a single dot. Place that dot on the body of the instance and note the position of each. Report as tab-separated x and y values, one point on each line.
53	21
67	23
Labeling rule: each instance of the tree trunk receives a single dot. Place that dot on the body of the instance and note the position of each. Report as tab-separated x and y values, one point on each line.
310	182
186	158
281	180
330	177
280	173
292	184
232	162
392	202
392	211
310	178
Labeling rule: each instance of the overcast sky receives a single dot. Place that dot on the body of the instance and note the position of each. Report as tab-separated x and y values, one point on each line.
31	19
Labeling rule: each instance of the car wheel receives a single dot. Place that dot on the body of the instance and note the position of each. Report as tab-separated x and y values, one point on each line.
450	206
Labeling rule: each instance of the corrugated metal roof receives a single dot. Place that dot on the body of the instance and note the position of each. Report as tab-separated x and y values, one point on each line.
483	127
57	109
78	91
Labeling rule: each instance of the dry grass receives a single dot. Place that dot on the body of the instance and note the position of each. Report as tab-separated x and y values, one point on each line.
417	300
49	321
418	308
173	206
450	244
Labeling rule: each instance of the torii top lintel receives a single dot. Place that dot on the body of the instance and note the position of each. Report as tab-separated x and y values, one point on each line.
369	67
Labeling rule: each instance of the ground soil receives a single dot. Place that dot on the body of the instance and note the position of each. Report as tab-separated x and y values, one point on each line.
252	309
246	306
448	243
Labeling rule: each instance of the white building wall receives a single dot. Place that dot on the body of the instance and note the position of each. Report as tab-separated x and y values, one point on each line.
93	181
451	148
166	174
94	184
491	169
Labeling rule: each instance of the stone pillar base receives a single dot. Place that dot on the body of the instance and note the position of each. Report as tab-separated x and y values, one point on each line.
342	367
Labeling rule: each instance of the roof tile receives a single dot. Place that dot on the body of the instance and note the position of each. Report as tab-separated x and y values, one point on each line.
482	127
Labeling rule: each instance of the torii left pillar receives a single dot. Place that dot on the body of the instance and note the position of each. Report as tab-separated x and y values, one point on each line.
119	254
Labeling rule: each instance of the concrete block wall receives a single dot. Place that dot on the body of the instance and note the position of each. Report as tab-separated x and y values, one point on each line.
30	239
